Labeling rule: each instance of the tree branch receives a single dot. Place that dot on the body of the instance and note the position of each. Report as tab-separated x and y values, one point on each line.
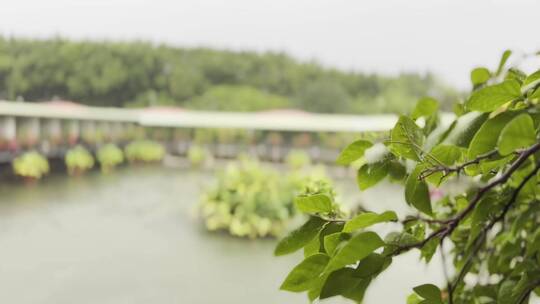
452	223
447	170
483	235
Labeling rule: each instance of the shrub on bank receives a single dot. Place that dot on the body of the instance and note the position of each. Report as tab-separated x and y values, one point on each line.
144	151
252	200
31	165
78	160
109	156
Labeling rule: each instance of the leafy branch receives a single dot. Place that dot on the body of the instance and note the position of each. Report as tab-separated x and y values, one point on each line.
451	223
500	134
447	170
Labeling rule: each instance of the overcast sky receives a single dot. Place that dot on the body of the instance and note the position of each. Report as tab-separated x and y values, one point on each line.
448	37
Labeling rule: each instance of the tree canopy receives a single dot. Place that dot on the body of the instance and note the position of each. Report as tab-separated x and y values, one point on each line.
140	74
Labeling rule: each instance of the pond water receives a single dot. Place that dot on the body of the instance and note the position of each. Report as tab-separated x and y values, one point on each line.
131	237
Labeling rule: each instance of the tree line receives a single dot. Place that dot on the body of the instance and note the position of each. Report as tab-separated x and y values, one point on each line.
132	74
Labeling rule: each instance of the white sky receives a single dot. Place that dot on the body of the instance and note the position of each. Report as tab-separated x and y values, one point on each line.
448	37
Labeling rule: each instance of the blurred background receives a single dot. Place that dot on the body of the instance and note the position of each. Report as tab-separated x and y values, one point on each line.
150	151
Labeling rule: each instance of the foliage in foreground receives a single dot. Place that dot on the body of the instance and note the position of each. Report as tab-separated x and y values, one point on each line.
31	165
252	200
144	151
109	156
489	230
78	160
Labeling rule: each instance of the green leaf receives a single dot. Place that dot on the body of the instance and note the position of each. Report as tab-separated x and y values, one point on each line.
506	54
429	292
414	299
504	295
444	154
367	219
463	129
406	138
371	174
518	133
396	171
357	248
480	76
353	152
342	282
330	228
429	249
315	203
400	239
536	94
417	191
515	74
357	292
332	241
532	79
485	139
300	237
315	291
481	213
371	265
492	97
339	282
425	107
312	247
305	275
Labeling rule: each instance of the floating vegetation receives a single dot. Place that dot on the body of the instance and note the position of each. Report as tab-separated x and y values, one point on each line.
198	156
78	160
144	151
297	159
253	200
109	156
31	165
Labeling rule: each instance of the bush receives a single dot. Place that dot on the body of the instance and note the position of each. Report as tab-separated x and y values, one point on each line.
144	151
489	229
251	200
110	156
78	160
31	165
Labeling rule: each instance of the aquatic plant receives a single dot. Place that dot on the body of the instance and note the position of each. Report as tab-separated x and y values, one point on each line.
198	155
489	230
144	151
78	160
31	165
109	156
251	200
297	159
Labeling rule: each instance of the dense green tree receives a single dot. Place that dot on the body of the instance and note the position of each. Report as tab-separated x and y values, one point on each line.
142	74
237	98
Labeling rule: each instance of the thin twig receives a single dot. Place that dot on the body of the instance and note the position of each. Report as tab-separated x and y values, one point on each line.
447	170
